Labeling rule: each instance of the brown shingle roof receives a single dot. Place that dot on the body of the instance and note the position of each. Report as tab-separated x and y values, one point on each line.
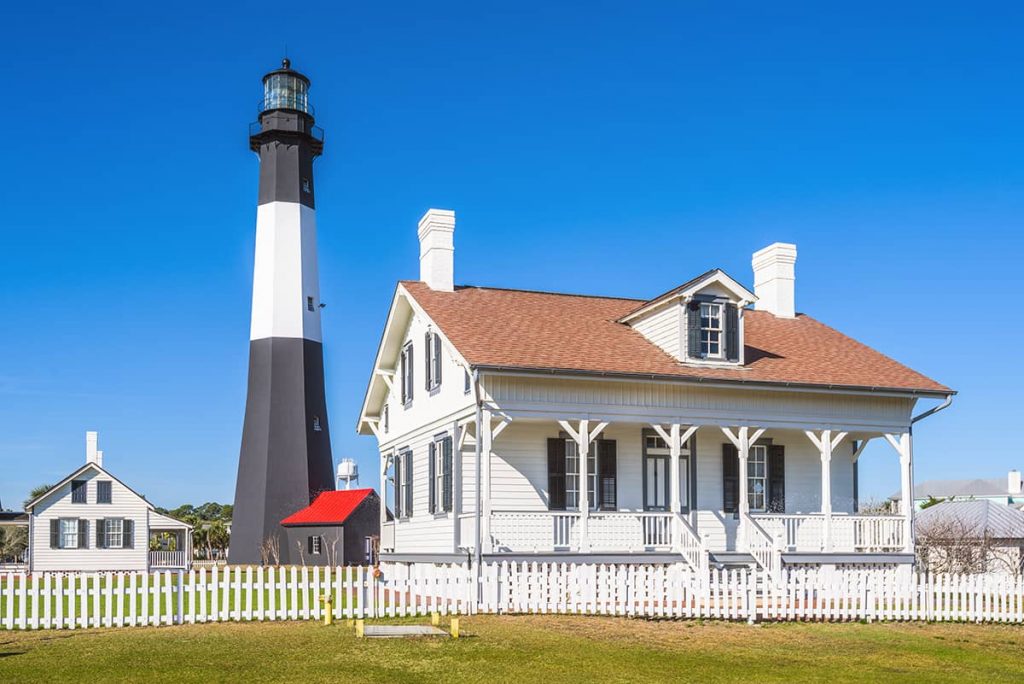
576	333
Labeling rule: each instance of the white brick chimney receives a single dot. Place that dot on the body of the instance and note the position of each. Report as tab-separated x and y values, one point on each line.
92	454
774	279
1013	482
437	249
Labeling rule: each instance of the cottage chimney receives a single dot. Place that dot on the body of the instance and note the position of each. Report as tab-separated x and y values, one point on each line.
437	249
1013	482
774	279
92	454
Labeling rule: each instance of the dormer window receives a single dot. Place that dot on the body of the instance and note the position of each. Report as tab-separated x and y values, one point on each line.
711	330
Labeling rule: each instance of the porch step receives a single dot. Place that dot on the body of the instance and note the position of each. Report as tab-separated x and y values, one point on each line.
732	559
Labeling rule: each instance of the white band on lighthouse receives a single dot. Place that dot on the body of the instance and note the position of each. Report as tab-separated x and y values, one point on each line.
286	287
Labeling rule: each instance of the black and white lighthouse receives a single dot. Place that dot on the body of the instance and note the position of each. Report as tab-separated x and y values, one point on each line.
285	459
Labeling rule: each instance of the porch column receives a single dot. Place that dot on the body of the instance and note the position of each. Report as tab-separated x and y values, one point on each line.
826	443
485	436
742	439
903	444
583	435
383	491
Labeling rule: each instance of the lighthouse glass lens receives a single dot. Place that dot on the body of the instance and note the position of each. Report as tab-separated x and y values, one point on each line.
284	91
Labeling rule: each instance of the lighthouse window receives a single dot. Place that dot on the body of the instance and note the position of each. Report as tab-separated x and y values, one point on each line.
309	304
316	423
305	186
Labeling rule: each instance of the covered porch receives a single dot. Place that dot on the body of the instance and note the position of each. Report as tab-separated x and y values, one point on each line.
170	543
708	493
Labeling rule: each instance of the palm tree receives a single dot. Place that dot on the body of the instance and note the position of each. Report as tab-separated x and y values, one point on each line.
36	493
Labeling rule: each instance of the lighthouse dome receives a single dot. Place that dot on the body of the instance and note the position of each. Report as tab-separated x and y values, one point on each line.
286	88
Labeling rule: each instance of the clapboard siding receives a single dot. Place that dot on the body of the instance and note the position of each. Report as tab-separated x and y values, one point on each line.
698	404
423	531
124	504
662	326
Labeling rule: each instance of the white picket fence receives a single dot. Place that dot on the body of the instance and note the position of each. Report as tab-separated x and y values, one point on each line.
74	601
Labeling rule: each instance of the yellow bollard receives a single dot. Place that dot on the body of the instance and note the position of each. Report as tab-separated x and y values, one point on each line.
435	618
328	611
350	622
359	628
455	628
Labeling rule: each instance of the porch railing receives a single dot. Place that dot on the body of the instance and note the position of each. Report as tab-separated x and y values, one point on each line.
851	533
387	536
540	531
764	547
168	559
691	546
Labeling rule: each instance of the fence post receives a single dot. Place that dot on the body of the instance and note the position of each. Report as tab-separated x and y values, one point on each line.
180	613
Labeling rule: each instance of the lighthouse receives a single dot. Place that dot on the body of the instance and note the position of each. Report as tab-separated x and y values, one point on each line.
285	458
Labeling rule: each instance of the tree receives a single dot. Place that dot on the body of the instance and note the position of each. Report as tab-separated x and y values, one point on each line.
930	501
36	493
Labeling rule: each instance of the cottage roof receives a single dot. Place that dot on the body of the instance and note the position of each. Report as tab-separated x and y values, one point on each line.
329	508
947	489
543	331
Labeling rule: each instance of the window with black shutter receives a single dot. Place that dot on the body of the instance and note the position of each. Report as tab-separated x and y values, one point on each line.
730	479
406	363
432	357
447	489
78	491
104	492
407	508
556	474
432	477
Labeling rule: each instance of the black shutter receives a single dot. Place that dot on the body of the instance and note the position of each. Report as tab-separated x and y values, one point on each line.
730	479
732	333
437	359
309	545
397	471
83	533
407	509
101	530
607	475
412	366
446	448
777	478
556	474
128	534
402	377
55	533
432	478
427	375
693	330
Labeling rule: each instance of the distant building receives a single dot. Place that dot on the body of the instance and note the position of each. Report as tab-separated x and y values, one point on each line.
1003	490
338	528
90	521
971	536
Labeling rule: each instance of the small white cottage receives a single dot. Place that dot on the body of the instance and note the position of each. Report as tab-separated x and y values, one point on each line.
91	521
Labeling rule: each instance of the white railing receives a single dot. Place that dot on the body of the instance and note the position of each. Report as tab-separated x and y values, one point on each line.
850	533
168	559
546	531
693	549
534	531
620	531
467	530
387	536
765	548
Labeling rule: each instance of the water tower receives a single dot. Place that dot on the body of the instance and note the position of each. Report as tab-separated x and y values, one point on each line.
348	472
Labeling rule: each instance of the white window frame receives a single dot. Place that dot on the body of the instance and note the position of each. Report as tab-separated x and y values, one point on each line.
71	535
403	481
316	546
438	483
757	474
572	476
113	528
712	334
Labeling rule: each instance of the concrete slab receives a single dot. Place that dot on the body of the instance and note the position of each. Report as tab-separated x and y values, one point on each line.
399	631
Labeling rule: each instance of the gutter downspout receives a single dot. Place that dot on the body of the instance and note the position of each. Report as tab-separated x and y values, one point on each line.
910	433
478	543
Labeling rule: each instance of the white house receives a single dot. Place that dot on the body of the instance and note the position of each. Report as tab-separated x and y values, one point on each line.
1007	490
720	425
90	521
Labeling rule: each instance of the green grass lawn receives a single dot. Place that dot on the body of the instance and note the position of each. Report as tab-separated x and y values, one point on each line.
530	649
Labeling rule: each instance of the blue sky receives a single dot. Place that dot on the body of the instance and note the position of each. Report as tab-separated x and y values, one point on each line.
607	148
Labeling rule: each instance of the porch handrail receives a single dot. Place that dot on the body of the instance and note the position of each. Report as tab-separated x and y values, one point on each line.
691	547
767	551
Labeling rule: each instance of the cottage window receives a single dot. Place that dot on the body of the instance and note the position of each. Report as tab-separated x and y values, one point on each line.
572	475
78	490
440	472
113	533
315	545
433	360
757	477
406	363
103	492
69	533
711	330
